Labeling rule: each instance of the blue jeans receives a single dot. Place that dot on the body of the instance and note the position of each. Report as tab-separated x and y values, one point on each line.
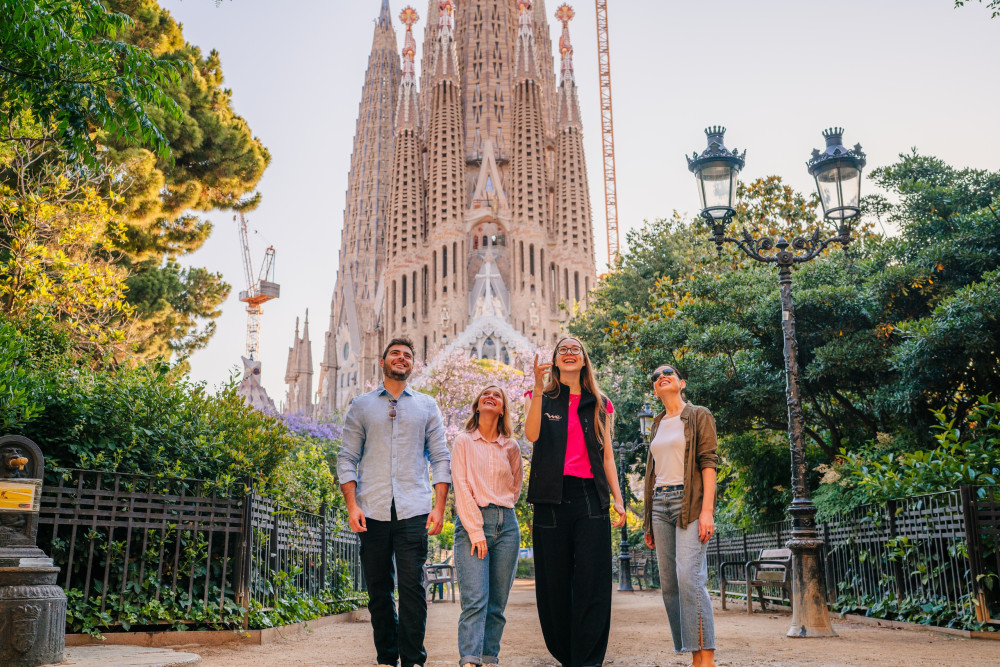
683	575
485	584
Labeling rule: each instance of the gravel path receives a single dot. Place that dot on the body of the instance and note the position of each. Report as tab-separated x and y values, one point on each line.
639	638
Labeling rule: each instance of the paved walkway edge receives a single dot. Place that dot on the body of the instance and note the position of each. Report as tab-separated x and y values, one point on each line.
170	638
884	623
904	625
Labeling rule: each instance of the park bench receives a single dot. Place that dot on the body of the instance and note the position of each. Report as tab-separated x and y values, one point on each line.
772	568
640	570
437	576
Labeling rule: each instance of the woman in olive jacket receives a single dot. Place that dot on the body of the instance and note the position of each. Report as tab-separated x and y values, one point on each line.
570	486
678	521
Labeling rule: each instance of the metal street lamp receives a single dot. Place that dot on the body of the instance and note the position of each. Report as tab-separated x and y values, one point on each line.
837	171
645	416
624	556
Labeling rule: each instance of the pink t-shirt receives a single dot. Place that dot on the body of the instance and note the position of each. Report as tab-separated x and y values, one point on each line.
577	461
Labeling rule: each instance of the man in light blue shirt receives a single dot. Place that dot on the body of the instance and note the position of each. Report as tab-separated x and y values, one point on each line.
390	436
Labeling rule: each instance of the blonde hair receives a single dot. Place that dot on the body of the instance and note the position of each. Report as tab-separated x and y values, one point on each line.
589	382
503	423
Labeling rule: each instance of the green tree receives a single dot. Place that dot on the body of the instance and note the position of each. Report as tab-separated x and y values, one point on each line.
120	78
215	163
64	64
878	326
57	233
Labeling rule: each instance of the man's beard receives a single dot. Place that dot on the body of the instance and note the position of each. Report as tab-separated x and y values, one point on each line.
399	376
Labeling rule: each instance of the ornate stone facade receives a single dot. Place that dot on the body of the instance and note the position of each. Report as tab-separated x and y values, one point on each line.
468	219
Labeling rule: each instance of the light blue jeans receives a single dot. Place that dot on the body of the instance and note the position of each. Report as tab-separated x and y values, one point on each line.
485	584
683	575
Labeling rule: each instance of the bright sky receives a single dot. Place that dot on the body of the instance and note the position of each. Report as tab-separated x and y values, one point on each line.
894	73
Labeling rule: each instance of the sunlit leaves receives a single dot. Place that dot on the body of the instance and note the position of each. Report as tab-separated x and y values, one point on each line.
65	63
57	231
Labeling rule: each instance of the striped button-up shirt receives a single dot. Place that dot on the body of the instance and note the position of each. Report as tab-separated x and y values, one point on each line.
388	457
486	472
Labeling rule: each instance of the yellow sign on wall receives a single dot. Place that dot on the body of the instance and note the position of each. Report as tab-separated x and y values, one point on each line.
21	495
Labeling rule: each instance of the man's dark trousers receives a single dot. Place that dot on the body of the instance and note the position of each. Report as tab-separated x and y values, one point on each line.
396	638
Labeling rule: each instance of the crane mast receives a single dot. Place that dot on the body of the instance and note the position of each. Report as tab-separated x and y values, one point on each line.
258	291
607	131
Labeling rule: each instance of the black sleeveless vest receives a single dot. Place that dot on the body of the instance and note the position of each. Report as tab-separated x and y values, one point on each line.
548	457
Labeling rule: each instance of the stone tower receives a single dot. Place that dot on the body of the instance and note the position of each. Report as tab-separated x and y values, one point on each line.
484	242
299	372
355	334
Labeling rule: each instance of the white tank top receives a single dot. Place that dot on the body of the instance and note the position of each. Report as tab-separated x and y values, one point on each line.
668	452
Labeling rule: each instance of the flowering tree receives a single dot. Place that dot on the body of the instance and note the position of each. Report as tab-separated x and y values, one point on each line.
456	380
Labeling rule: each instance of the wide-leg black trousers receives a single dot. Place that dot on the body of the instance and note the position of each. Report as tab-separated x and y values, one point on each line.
572	543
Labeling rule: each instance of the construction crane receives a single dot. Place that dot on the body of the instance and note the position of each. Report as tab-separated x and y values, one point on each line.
607	131
258	291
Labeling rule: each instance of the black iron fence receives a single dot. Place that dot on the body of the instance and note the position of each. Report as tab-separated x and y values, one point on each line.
936	554
293	552
140	550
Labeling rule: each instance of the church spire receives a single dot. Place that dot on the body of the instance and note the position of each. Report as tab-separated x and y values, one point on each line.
565	14
406	188
408	113
568	100
385	15
445	63
526	67
357	300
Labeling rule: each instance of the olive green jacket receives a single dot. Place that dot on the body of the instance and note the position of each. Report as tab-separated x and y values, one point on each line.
700	453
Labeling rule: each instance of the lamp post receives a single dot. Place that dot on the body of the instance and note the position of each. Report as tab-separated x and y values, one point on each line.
645	417
837	171
624	556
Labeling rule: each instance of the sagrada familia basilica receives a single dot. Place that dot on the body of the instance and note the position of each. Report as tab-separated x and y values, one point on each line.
467	224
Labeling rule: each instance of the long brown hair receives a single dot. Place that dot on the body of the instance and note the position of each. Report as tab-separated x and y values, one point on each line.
504	423
588	381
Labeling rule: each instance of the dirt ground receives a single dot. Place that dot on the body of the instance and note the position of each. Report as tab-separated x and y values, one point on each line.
639	638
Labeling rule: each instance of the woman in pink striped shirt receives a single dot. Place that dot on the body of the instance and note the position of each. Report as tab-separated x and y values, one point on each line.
486	471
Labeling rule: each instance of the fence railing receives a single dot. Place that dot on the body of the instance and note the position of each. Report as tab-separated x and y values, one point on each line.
292	551
940	549
145	547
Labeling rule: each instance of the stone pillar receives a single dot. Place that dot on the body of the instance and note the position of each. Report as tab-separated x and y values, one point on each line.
32	605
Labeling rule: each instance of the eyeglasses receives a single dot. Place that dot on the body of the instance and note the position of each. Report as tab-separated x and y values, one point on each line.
563	350
392	407
660	373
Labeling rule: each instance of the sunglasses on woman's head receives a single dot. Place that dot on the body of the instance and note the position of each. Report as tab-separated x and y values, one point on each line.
657	374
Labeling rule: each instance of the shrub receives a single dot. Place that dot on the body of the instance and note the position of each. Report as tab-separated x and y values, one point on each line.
966	454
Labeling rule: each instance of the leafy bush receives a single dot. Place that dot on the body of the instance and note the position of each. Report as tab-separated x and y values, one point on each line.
969	455
128	419
150	419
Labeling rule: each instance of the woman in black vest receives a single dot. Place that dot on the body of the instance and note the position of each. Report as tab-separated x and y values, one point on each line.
572	476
